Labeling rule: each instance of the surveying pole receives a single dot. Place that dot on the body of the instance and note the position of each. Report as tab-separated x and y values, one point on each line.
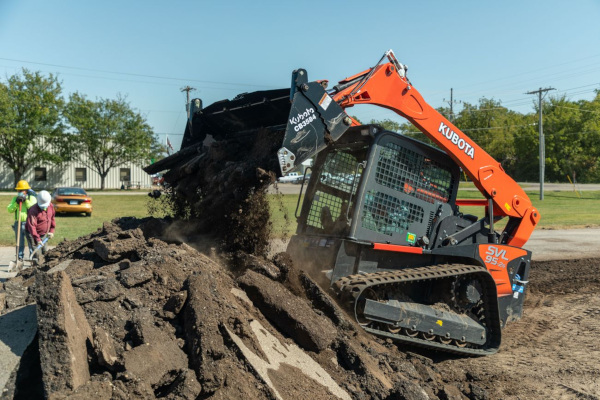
542	149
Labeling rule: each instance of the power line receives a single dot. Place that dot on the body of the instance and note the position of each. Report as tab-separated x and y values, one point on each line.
561	75
536	71
578	109
133	74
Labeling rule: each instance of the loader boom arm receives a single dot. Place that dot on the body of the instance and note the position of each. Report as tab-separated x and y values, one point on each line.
386	85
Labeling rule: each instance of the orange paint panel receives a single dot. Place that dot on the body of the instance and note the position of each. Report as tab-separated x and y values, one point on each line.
496	258
472	202
397	248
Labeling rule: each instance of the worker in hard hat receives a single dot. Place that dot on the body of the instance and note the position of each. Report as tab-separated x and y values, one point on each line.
40	221
19	205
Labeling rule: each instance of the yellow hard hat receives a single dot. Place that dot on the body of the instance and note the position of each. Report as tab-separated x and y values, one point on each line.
22	185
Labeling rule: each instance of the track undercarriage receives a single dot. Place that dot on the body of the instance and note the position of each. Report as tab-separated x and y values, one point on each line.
450	307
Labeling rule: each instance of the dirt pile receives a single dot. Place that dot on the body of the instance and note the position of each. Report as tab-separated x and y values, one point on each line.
124	315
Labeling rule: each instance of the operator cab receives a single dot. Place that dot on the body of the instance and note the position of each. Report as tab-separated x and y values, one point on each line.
378	186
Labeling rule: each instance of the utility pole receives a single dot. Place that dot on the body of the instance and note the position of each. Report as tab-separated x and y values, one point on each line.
451	103
542	149
187	90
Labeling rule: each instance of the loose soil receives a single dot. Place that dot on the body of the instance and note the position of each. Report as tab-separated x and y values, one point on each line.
168	321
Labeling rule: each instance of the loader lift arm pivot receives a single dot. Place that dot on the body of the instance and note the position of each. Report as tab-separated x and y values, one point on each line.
318	118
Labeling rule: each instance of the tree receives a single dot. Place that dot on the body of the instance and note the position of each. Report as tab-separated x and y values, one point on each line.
31	129
590	140
387	124
108	133
157	150
494	128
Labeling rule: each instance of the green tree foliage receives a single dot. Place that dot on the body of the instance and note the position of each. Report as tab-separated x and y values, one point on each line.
494	128
589	166
571	130
31	129
387	124
108	133
157	150
572	136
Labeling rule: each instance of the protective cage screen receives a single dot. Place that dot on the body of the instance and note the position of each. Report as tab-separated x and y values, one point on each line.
337	180
412	174
404	170
387	214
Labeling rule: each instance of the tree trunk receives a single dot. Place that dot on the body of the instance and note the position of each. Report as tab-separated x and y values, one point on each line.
102	179
18	174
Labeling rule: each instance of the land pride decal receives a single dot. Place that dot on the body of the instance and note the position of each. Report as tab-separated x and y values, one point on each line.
457	140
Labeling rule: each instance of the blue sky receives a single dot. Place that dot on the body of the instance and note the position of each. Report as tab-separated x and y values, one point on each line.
149	50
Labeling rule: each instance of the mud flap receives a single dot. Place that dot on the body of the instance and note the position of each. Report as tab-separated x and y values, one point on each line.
315	121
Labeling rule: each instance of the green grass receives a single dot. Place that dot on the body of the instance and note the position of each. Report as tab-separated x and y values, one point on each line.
559	210
72	226
568	209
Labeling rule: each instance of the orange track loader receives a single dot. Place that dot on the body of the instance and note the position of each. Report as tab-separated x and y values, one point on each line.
380	211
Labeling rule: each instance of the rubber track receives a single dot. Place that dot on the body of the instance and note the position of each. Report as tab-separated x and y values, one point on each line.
353	285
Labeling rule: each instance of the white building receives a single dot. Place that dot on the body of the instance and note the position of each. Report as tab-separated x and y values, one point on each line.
76	174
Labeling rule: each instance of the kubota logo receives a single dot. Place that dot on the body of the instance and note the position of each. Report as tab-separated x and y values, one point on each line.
457	140
303	119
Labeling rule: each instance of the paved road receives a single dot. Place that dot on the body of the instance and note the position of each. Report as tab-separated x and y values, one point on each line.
290	188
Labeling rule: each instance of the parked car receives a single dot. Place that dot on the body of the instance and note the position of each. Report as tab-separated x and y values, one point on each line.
72	200
292	177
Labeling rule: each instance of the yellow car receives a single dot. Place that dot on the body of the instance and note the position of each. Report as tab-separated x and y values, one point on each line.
72	200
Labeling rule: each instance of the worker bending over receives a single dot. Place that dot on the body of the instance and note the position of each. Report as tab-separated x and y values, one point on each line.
40	221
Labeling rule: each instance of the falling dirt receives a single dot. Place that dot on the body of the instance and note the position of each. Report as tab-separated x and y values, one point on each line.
221	190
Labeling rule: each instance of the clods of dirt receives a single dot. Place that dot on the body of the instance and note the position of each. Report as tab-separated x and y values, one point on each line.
159	320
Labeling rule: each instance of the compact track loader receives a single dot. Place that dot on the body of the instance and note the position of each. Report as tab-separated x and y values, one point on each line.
381	213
